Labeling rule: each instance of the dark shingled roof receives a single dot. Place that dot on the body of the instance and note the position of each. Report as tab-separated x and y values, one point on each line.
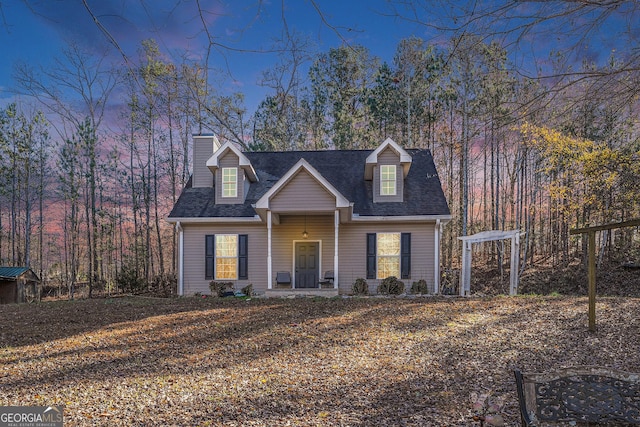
344	169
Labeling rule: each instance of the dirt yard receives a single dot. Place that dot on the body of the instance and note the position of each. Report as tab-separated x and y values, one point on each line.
138	361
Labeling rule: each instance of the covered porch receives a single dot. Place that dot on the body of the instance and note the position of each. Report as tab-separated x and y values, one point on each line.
303	254
303	213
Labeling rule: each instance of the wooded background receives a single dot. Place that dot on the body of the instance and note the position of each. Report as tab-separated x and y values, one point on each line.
540	149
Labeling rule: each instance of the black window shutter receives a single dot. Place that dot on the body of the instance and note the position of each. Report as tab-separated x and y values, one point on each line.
405	255
371	255
243	256
209	256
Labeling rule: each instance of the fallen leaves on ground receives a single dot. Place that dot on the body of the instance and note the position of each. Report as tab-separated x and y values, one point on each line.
300	362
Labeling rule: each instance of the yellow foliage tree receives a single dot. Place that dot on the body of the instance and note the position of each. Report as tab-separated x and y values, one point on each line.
583	176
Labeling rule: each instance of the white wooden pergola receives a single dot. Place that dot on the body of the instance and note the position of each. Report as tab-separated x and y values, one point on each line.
488	236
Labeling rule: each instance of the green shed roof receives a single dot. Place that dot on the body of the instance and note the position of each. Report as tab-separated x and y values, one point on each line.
12	272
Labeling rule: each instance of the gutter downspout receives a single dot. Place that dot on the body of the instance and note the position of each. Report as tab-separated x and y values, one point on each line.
336	257
269	259
180	258
436	269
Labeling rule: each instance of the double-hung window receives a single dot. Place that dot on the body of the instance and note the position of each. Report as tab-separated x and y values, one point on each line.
226	256
229	182
388	180
388	254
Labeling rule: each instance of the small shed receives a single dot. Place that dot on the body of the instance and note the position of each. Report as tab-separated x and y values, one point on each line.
18	284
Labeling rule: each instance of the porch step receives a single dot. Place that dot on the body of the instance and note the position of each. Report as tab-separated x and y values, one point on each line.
283	293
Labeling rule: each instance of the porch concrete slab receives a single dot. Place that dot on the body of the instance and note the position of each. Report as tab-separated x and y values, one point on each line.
302	292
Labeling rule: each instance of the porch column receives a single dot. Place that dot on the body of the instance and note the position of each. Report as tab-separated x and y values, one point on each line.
269	267
180	258
336	224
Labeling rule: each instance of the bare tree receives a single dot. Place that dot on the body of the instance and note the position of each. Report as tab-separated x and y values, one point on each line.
279	120
85	76
534	31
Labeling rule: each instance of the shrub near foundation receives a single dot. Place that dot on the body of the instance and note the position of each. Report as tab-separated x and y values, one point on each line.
419	287
219	288
391	286
360	287
248	290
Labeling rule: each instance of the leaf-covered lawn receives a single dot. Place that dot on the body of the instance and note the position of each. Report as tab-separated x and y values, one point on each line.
301	362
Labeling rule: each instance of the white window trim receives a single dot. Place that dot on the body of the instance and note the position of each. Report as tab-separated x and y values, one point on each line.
234	182
378	256
394	180
215	257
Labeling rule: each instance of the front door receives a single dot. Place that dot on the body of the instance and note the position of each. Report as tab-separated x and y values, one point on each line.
307	268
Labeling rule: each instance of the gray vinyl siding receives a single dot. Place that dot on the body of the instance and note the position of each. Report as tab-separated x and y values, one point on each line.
303	193
230	160
194	255
388	157
352	250
202	151
353	257
319	227
290	228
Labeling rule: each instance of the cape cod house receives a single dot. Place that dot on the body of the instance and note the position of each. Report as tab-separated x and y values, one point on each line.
308	221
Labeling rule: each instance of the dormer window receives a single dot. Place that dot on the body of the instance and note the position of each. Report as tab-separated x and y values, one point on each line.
229	182
387	166
233	174
388	180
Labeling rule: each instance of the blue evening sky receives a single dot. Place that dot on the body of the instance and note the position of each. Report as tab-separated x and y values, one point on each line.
36	32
